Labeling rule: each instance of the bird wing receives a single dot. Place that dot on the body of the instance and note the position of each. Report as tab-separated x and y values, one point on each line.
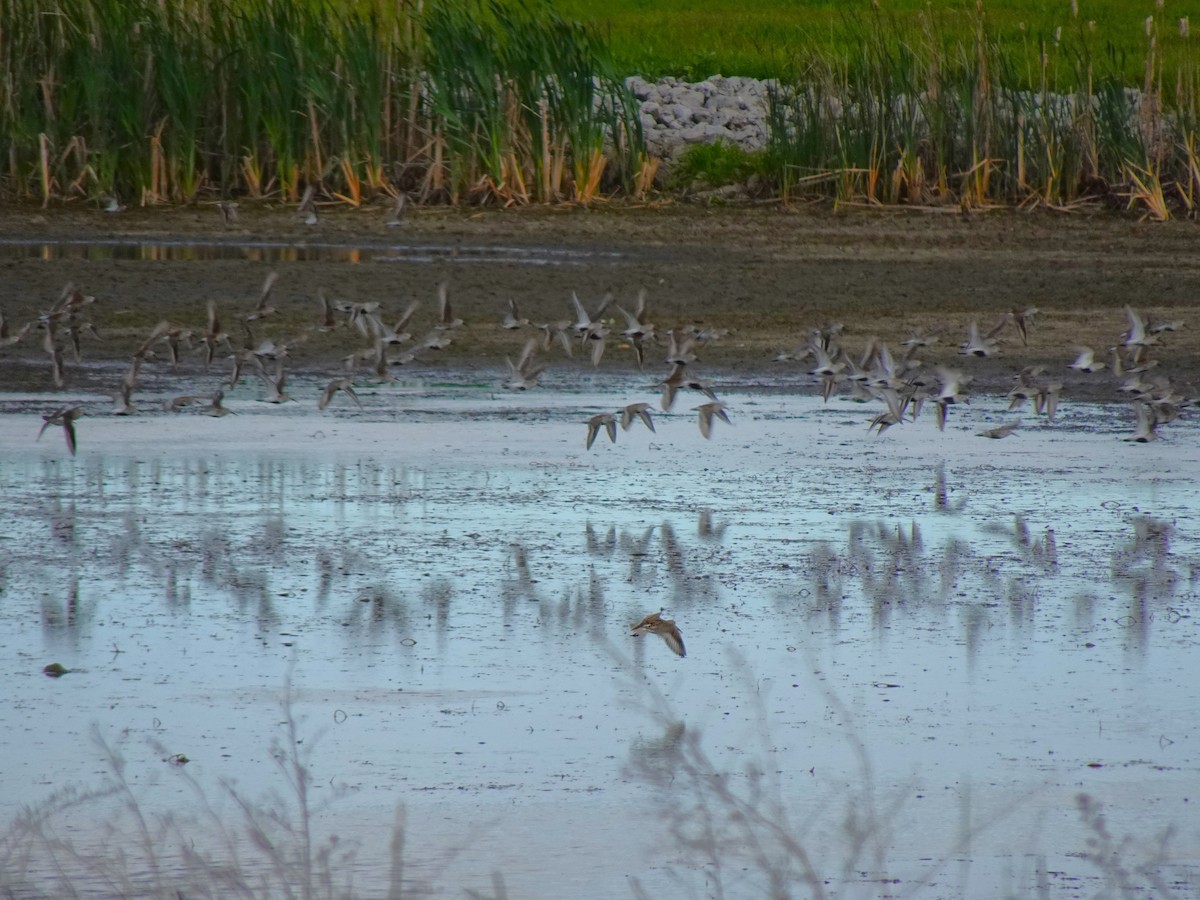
268	284
674	640
327	394
582	320
644	415
1137	327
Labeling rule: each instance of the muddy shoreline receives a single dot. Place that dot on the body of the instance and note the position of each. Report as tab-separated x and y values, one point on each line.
769	275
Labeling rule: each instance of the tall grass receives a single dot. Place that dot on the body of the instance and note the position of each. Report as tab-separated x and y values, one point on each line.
165	102
518	96
227	844
742	835
915	117
509	101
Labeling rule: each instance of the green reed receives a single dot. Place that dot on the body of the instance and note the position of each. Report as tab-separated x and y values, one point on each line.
173	102
468	93
519	92
918	114
508	101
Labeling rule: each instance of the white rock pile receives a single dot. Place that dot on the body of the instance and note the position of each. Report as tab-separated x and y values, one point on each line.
677	114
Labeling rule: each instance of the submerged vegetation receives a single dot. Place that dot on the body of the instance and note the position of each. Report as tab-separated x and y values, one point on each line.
502	101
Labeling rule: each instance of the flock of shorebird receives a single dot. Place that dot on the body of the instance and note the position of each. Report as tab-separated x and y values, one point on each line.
65	323
265	357
900	382
903	384
593	332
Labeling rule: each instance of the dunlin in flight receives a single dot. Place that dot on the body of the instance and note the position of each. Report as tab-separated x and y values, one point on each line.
664	628
66	418
607	421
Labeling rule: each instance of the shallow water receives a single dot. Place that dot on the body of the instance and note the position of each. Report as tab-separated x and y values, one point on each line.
886	660
192	250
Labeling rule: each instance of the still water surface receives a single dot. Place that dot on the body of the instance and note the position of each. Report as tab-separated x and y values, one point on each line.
908	656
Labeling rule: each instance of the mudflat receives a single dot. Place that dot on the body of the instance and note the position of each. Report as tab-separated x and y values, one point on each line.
769	274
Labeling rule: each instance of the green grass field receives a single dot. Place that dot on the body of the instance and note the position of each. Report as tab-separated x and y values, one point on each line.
698	38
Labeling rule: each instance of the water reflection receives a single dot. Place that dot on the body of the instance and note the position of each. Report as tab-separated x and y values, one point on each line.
436	595
889	571
600	545
374	607
637	548
707	529
409	589
254	531
941	493
299	251
656	759
519	583
65	614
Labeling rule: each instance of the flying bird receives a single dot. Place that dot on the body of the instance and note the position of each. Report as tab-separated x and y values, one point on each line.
679	378
708	412
308	206
1022	317
524	374
344	385
264	308
445	312
979	345
215	407
276	385
636	411
401	207
66	418
665	629
512	319
1147	425
1085	361
637	329
1000	431
604	420
123	400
